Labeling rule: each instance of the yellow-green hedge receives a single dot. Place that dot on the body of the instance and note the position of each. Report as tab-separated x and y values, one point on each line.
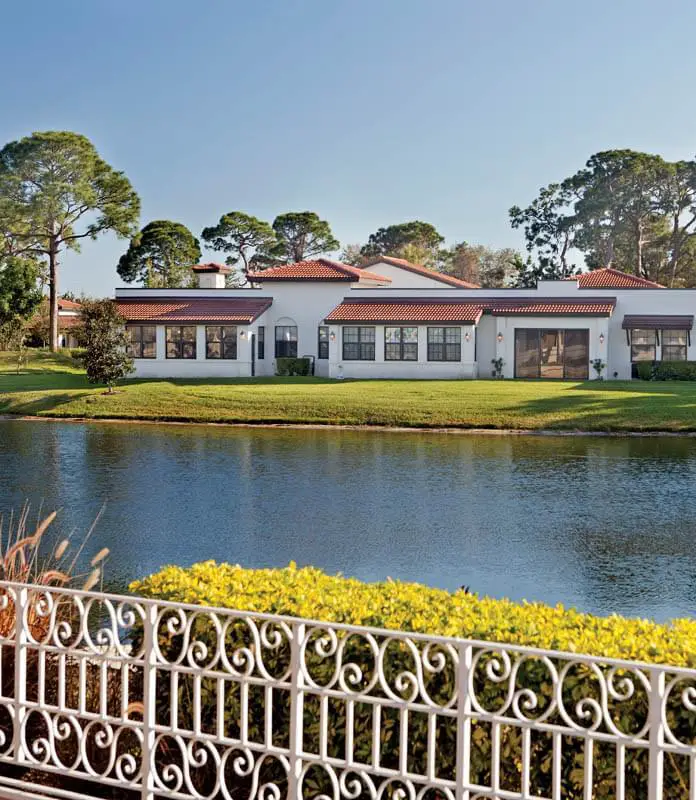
308	592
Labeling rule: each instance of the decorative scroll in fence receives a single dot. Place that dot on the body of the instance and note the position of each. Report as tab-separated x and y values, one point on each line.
160	699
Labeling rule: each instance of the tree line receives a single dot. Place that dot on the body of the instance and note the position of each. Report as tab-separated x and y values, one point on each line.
634	211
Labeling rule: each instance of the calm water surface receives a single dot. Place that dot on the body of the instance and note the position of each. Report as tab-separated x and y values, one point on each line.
604	524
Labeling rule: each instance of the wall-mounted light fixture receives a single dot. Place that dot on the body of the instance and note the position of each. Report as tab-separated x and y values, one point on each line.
500	337
467	336
242	334
332	336
601	338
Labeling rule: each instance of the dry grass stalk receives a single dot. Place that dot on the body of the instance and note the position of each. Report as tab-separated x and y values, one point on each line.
21	562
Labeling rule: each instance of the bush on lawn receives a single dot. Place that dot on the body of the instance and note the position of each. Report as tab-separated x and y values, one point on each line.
312	594
293	366
643	370
674	371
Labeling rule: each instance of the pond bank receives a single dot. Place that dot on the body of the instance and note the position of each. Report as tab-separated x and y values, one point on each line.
462	431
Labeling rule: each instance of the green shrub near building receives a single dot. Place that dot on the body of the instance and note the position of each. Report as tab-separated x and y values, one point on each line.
665	370
293	366
312	594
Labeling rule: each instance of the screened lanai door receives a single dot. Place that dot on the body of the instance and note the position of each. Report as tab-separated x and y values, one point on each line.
542	353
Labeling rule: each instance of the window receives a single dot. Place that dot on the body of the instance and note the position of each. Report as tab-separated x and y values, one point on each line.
142	341
323	343
401	344
261	342
674	345
286	341
181	341
444	344
643	345
221	341
359	343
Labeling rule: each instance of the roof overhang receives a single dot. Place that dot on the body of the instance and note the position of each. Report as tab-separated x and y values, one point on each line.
194	310
551	306
664	322
374	310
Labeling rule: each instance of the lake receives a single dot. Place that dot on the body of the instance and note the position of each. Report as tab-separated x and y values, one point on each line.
603	524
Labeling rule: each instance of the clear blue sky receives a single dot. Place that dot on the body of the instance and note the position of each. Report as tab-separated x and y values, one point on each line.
369	112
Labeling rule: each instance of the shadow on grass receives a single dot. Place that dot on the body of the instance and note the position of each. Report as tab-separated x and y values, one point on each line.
625	406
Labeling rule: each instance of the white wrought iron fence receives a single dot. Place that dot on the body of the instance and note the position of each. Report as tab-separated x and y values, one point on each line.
167	700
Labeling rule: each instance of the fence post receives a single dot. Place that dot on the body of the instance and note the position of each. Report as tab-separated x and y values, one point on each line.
657	756
20	672
463	767
296	713
149	701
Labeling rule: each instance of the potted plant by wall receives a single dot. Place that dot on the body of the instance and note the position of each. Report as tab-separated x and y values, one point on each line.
599	366
498	365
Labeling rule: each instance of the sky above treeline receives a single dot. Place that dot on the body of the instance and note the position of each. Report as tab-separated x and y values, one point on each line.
369	112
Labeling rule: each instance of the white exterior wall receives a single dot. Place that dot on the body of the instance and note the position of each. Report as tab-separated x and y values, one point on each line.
403	278
379	368
200	367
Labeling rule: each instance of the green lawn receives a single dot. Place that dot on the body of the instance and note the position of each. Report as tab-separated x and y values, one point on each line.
54	386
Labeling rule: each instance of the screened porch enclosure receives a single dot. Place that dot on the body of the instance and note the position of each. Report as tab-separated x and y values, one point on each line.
559	354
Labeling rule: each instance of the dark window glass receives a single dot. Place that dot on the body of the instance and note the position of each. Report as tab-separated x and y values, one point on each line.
323	343
576	354
181	341
674	345
643	345
359	343
286	341
221	341
526	353
552	353
261	342
401	344
142	341
444	344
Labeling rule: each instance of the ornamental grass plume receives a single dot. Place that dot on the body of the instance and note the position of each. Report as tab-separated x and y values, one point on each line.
24	560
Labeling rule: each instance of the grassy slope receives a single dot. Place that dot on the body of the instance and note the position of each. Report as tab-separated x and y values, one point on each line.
54	386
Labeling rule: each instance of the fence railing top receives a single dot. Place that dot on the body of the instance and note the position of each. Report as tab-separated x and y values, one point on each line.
451	641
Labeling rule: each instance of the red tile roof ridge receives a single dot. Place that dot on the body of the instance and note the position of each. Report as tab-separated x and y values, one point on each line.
595	279
316	269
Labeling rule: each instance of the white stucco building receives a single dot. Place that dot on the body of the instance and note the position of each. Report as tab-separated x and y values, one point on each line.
393	319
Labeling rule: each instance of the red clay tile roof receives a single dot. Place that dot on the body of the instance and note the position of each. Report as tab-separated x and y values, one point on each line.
320	269
68	305
464	311
192	309
590	306
420	270
405	310
212	267
610	278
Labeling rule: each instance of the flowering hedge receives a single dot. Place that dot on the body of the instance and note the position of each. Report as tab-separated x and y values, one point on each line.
310	593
